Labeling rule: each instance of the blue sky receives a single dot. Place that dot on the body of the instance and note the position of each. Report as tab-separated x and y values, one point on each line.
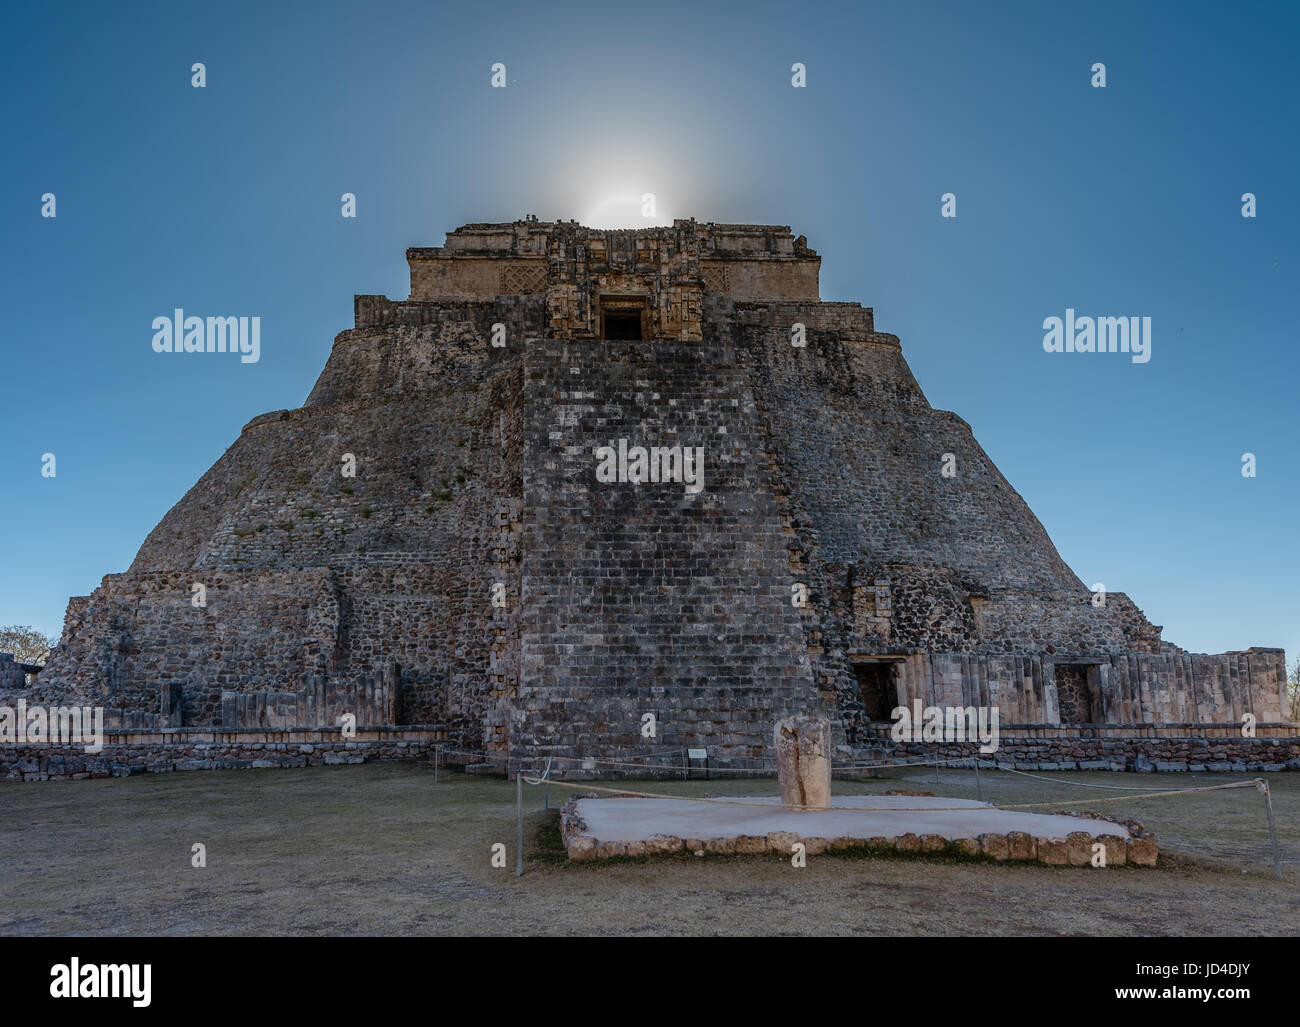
1116	201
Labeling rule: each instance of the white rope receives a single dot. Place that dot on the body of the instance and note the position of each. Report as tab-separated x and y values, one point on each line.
586	786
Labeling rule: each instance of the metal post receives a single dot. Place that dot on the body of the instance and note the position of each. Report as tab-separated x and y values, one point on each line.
936	772
519	813
436	750
1272	831
979	792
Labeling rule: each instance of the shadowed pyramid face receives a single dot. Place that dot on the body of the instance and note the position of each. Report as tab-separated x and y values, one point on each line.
581	476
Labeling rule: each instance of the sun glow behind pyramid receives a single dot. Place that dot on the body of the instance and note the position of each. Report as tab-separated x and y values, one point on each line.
627	208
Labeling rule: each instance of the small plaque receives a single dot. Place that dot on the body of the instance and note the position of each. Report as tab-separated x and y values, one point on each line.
698	754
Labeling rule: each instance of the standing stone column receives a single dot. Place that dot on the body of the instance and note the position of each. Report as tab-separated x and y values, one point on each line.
803	761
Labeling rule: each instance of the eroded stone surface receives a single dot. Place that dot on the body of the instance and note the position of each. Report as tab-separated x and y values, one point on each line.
582	820
332	592
803	762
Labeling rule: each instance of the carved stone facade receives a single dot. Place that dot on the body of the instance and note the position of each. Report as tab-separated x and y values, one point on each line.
476	573
661	274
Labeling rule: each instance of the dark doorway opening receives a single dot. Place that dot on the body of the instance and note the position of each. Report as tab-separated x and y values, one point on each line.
876	689
1076	697
622	325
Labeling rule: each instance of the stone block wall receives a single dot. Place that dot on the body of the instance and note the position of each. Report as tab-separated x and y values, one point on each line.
313	575
126	754
11	674
644	598
475	469
1196	750
1132	688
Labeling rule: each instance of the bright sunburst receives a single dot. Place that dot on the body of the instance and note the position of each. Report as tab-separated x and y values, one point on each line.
627	208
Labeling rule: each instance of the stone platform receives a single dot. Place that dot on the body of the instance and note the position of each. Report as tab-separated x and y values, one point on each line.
596	828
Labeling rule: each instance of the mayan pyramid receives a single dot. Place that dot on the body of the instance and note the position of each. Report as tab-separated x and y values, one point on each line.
430	537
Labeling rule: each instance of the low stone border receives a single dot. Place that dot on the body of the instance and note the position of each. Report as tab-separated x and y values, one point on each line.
1139	849
1150	753
73	763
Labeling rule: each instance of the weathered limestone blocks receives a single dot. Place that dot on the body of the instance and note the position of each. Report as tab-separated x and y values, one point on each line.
1078	848
750	845
781	842
1021	846
803	762
1135	846
1142	851
995	846
11	674
363	594
158	752
1116	849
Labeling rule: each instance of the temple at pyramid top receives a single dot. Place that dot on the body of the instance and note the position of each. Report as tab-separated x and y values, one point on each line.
621	284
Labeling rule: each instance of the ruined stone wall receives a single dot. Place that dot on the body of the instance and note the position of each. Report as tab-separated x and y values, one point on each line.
1059	624
142	632
761	280
644	598
11	674
475	468
128	754
476	278
1197	751
314	575
1131	688
955	574
864	451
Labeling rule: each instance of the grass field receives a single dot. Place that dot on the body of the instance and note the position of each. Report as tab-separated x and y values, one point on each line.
382	849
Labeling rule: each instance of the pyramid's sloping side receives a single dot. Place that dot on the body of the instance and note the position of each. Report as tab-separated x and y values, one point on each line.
426	541
359	531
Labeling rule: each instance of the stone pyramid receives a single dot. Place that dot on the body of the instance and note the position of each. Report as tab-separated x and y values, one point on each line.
462	526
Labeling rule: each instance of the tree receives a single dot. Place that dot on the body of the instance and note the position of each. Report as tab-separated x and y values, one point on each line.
27	644
1293	690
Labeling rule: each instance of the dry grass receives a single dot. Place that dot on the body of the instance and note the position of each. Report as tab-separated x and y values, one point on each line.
381	849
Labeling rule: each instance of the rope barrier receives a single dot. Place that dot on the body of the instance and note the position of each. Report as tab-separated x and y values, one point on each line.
1075	784
676	767
1144	792
587	786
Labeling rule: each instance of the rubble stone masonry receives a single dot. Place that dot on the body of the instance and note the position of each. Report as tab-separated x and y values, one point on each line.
425	542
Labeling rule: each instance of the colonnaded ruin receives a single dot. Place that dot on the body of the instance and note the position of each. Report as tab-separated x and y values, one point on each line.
579	476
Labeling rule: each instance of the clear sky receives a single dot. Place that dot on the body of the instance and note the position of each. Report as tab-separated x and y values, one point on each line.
1115	201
